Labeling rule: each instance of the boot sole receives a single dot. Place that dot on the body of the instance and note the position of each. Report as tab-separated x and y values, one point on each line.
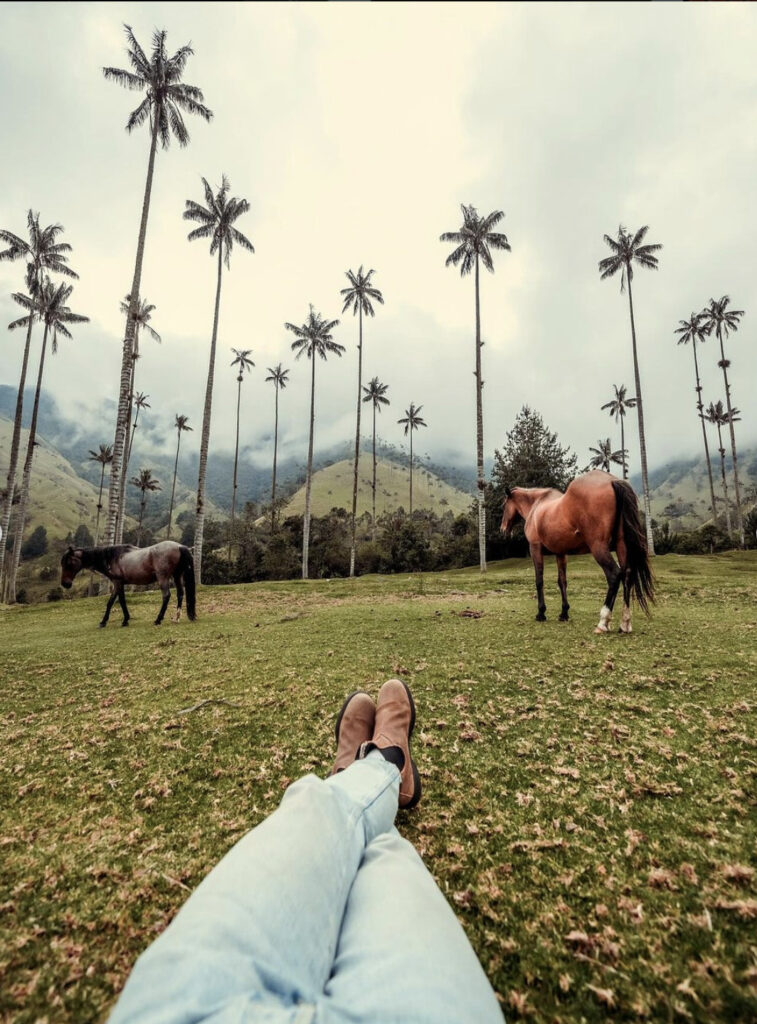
417	788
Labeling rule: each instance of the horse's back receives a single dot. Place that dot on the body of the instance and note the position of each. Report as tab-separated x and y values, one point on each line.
590	504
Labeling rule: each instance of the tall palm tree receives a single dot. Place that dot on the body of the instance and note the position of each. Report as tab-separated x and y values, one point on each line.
617	408
376	394
715	413
604	456
473	244
313	338
138	402
358	295
718	317
166	97
51	307
695	330
280	378
216	220
142	316
104	456
145	482
411	422
43	254
626	250
245	364
182	423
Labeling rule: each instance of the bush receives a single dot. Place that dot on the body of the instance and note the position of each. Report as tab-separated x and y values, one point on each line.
48	572
35	545
56	594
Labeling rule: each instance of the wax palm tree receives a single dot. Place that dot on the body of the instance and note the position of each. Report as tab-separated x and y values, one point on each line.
617	408
144	482
376	394
181	424
280	379
138	402
473	244
313	338
360	295
51	307
412	421
245	364
604	456
216	220
715	413
142	316
43	253
695	330
104	456
718	317
627	250
166	99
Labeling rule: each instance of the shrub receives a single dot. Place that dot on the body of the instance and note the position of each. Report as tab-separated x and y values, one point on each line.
36	544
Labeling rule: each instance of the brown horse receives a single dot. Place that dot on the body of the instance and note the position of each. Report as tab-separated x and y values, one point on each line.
126	564
599	514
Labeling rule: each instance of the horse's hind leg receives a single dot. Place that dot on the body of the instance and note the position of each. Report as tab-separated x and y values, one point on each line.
122	602
625	621
562	581
179	595
537	555
613	575
165	586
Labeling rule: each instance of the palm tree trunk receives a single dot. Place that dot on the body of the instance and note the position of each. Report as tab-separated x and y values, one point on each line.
724	368
141	514
623	446
411	470
15	445
374	473
91	588
642	436
480	482
306	521
357	439
236	458
173	485
700	409
725	484
24	502
205	440
127	458
275	446
119	443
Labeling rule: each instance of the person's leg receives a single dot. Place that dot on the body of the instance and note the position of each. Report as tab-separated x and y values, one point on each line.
264	924
403	957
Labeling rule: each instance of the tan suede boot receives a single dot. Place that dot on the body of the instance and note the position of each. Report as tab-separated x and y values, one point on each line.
395	721
354	726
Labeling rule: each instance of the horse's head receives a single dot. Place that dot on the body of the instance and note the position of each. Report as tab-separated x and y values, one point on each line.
510	514
70	565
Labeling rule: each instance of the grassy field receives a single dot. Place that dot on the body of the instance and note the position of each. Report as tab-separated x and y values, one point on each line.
590	803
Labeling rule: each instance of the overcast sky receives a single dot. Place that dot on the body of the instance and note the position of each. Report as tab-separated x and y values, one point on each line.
355	131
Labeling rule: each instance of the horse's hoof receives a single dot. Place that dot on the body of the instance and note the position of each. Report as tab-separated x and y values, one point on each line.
601	629
124	625
157	622
541	618
102	625
563	618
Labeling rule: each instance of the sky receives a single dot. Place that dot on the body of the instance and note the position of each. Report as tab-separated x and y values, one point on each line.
355	131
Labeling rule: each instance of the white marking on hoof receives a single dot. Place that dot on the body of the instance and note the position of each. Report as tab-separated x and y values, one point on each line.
177	616
601	629
604	620
625	622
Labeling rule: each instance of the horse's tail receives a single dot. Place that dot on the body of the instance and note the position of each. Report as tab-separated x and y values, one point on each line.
640	576
187	568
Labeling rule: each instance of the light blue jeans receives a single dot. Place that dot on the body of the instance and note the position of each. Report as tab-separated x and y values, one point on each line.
323	914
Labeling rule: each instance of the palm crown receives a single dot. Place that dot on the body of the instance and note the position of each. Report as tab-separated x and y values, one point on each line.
314	337
42	251
715	413
620	403
375	392
104	456
50	307
182	423
217	218
696	328
360	293
604	455
717	316
627	249
278	375
167	96
145	481
412	419
475	238
142	317
242	361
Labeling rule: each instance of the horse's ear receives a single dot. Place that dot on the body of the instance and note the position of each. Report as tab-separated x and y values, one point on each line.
69	550
508	492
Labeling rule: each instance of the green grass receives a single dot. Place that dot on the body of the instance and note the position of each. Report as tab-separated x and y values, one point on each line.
589	801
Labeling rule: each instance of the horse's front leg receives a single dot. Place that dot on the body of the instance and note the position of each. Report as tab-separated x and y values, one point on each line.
613	575
108	606
537	555
562	581
166	588
122	602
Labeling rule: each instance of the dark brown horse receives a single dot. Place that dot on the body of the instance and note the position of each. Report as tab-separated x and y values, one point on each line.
126	564
598	514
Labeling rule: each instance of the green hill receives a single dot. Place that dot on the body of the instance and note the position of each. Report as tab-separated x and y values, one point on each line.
332	488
